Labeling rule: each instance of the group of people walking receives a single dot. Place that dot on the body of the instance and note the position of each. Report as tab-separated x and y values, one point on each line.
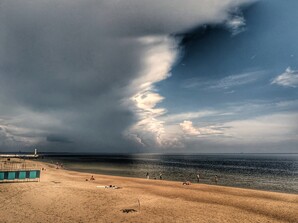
148	176
215	178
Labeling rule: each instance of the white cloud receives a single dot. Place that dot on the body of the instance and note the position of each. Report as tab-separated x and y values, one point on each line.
237	80
287	79
190	129
175	118
236	24
157	61
225	83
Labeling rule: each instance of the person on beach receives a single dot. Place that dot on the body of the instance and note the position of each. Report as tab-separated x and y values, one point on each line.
186	183
216	179
198	178
147	175
92	178
160	176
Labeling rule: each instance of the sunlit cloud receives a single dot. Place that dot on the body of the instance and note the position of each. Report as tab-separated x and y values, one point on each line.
287	79
190	129
176	118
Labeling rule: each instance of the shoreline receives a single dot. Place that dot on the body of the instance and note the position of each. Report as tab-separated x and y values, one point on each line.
205	181
65	196
177	181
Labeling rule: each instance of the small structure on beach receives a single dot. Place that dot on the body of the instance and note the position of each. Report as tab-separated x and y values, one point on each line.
13	171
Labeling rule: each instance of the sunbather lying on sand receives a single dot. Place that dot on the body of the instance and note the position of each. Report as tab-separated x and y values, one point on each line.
109	187
186	183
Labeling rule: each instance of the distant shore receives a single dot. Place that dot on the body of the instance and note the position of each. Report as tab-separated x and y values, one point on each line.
66	196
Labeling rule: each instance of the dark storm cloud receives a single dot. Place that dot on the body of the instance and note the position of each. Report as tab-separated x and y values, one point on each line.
56	59
60	139
66	67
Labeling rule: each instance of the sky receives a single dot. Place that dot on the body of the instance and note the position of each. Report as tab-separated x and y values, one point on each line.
192	76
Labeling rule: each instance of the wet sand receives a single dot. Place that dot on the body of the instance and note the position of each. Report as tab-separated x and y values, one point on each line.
66	196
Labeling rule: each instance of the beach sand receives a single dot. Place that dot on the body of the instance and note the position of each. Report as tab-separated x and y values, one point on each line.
65	196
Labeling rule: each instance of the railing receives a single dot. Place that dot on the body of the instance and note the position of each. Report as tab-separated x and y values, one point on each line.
7	165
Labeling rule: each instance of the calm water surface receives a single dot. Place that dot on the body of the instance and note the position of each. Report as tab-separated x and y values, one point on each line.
275	172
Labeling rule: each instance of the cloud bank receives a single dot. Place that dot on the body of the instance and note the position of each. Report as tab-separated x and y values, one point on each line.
79	75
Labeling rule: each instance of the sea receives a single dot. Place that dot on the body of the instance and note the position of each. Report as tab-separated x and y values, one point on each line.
270	172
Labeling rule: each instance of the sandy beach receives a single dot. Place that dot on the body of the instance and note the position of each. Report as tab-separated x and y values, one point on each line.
66	196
